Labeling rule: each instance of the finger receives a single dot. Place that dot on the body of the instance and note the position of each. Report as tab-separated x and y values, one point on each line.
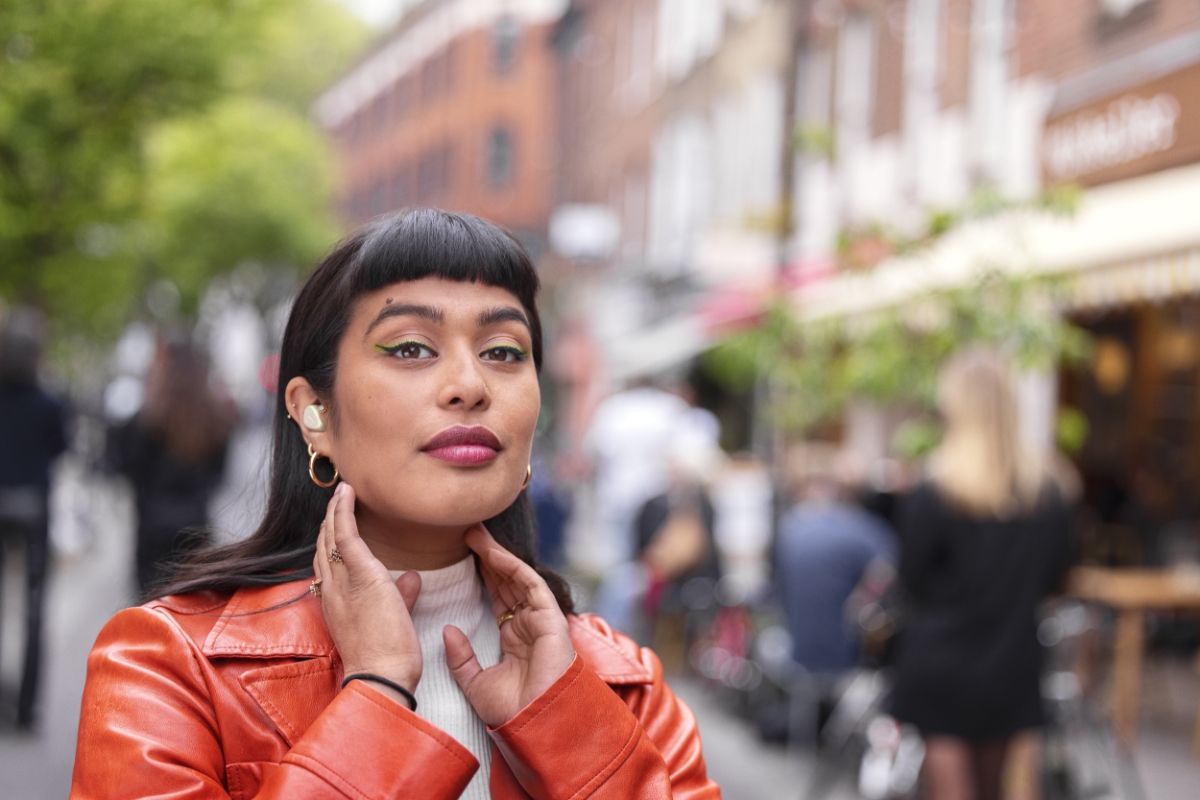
320	567
480	539
354	550
519	580
409	585
492	583
325	542
460	658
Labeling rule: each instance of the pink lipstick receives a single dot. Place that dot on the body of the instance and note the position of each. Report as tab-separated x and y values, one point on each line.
464	446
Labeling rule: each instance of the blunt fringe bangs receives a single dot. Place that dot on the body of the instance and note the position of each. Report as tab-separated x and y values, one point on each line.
406	246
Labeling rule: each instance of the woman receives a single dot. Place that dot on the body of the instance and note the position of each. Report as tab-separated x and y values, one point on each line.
173	452
377	639
33	435
981	545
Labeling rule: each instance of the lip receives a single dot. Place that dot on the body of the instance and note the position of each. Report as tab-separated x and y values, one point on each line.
464	446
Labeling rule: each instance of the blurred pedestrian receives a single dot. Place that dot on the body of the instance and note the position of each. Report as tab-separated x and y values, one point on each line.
676	544
628	439
982	543
632	437
826	545
32	435
173	452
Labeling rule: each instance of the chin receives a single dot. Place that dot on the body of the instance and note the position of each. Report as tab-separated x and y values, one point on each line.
460	508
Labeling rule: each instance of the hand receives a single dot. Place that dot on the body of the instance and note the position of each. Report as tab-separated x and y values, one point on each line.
535	645
368	615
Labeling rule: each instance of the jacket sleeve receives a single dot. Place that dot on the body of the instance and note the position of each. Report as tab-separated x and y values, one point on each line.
148	729
581	739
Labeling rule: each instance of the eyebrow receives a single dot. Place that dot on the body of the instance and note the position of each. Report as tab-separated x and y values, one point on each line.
434	315
494	316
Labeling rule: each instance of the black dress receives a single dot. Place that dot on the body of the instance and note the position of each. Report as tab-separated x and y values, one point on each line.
171	497
968	662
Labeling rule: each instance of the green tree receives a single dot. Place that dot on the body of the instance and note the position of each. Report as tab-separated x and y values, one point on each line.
248	177
246	180
80	82
147	139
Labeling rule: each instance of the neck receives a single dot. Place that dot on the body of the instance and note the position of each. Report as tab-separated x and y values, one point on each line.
409	545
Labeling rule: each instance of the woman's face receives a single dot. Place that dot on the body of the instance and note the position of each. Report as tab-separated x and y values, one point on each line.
435	402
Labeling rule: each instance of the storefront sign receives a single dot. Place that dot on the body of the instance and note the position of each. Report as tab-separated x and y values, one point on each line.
1153	127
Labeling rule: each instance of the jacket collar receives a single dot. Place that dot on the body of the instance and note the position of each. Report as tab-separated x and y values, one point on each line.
285	621
270	622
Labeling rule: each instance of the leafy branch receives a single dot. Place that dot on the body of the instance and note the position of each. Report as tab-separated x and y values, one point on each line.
814	368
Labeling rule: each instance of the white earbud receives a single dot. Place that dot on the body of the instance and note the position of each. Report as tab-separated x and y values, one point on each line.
312	417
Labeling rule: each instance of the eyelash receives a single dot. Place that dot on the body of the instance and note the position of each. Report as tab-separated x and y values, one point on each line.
394	349
518	354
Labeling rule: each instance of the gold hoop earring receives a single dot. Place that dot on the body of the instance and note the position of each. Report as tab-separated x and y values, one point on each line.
313	455
528	475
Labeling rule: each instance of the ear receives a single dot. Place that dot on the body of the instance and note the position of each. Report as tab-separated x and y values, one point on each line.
298	396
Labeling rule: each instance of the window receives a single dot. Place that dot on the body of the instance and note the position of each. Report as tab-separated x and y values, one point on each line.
505	37
378	115
1117	9
402	96
500	158
402	188
449	66
378	198
1115	17
435	173
433	77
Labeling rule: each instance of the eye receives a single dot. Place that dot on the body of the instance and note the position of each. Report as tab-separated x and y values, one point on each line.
504	353
411	350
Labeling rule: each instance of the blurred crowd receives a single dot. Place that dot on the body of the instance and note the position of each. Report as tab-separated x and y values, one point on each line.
873	340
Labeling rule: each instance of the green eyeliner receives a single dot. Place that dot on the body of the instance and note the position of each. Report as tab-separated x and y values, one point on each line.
391	349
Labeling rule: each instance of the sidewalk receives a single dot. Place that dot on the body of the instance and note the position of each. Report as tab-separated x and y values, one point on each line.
83	593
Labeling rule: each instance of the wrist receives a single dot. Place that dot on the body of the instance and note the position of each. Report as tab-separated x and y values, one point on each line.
397	692
401	674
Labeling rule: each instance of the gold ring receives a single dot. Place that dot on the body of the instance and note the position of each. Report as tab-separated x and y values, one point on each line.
335	557
507	615
314	588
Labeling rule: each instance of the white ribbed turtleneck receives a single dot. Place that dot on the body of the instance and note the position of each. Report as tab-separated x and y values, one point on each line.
455	596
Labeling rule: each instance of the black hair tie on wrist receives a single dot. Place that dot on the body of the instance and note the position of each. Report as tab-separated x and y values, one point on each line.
366	676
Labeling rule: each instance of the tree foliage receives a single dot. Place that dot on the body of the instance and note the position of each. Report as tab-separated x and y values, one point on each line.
813	368
247	180
149	139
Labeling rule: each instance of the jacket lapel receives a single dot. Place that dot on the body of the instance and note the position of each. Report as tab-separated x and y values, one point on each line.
282	625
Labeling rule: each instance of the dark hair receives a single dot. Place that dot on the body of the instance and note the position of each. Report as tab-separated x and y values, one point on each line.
407	246
192	420
21	347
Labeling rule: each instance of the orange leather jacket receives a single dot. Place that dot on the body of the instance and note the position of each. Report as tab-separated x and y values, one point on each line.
209	696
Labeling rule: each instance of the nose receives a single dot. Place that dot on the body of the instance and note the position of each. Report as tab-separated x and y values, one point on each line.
464	385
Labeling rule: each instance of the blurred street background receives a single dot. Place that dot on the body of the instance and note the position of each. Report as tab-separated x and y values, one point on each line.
764	228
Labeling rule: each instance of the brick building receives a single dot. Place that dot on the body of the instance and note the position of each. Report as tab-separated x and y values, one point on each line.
930	103
457	107
674	116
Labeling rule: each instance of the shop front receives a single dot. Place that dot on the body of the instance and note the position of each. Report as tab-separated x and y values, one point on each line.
1141	393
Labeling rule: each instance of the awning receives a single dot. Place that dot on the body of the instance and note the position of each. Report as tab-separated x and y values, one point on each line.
1129	241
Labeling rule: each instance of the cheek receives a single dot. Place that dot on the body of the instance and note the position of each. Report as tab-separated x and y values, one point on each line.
525	413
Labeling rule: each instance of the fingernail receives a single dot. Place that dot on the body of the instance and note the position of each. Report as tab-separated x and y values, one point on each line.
340	490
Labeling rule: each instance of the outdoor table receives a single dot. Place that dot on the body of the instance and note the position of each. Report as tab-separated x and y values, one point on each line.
1131	592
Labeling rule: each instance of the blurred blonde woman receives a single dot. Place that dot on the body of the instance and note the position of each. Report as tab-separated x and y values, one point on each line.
982	543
